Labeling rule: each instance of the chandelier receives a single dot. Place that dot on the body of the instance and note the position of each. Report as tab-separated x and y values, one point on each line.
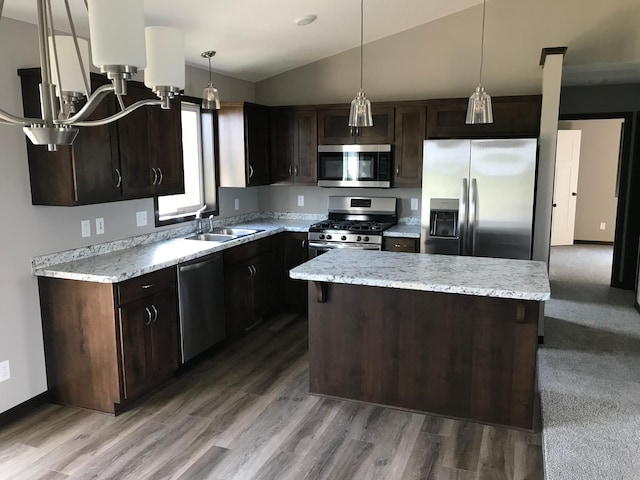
120	47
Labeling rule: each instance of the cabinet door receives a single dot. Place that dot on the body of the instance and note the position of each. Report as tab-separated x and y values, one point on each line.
382	129
133	139
281	125
238	298
264	276
165	143
164	335
410	132
256	119
295	253
134	321
305	127
333	127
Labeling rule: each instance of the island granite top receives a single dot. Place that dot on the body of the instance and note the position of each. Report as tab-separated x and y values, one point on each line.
489	277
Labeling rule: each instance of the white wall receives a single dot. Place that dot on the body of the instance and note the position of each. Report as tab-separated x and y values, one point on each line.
28	230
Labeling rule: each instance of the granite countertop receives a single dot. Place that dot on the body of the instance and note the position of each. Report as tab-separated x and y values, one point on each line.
490	277
403	230
116	266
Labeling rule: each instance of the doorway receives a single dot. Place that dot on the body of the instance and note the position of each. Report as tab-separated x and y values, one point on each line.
602	189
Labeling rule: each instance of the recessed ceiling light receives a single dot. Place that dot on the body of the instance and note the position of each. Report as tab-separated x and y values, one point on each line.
306	20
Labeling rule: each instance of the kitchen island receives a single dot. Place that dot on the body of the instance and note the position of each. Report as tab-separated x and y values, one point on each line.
454	336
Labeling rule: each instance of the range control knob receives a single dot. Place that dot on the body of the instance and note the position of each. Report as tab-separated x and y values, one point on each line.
343	238
321	236
328	237
359	238
366	239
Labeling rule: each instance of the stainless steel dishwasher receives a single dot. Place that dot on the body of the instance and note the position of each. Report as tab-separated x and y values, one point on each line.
201	300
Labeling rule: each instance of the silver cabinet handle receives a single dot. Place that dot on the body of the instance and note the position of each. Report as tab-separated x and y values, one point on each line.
250	171
144	287
155	313
304	244
149	318
250	271
397	171
296	171
155	176
161	176
289	170
119	182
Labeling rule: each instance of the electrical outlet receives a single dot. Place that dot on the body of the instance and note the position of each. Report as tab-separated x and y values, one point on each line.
603	226
85	228
236	204
141	218
99	226
5	372
414	204
301	200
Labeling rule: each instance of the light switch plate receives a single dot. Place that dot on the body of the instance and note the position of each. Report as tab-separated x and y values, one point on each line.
236	204
99	226
414	204
141	218
301	200
85	228
5	372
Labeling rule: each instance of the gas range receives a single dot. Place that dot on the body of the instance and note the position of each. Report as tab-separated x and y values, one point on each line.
354	222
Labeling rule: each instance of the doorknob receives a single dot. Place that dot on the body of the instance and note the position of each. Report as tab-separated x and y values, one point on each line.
574	194
554	205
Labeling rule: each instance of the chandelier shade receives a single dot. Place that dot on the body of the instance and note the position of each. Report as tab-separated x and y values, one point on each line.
210	94
165	50
72	74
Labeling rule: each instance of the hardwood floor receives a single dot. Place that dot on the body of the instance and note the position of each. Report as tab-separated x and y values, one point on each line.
244	413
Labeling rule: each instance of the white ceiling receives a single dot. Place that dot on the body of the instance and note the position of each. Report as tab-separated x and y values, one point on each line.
258	39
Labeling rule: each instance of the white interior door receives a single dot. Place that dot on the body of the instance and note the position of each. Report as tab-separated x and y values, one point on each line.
565	187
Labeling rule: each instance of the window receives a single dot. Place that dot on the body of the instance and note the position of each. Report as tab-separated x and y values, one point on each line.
199	169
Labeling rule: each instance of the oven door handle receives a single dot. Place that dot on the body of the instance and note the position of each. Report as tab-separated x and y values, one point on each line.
359	246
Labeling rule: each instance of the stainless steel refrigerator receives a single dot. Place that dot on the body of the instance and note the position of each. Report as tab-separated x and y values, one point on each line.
478	197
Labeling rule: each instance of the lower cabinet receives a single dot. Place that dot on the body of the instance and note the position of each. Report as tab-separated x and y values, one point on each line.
400	244
107	344
250	277
295	252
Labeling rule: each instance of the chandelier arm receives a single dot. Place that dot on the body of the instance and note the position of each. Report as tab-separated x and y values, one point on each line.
55	56
87	87
120	101
90	106
117	116
6	117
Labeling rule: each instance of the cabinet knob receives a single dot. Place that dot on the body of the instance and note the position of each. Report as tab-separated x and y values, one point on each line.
397	245
574	194
554	205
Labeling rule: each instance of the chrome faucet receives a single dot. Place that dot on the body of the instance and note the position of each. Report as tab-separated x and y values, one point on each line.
199	219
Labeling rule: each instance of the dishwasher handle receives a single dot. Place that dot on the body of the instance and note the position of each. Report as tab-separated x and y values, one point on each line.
194	266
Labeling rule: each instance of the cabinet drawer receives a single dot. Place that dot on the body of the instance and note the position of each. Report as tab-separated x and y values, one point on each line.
146	285
248	250
400	244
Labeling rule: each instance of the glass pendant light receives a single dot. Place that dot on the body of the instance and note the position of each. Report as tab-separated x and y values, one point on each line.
479	110
210	95
360	114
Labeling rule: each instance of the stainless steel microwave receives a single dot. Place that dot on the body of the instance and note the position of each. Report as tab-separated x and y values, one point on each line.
354	166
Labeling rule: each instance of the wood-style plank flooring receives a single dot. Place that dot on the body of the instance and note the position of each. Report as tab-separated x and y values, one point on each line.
244	413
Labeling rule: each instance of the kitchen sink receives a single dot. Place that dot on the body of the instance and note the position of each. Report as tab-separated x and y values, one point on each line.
237	232
212	237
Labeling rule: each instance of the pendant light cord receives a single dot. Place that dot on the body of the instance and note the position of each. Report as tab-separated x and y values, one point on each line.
484	8
209	69
361	39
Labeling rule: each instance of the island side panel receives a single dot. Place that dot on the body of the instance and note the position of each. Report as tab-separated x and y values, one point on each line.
455	355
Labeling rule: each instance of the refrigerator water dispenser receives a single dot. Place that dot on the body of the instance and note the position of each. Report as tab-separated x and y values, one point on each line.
444	218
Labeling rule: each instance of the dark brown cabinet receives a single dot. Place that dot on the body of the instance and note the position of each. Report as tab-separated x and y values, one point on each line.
243	145
295	252
517	116
410	133
400	244
294	145
150	142
334	129
110	162
107	344
250	275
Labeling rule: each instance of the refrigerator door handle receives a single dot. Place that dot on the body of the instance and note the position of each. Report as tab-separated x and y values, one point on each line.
473	215
463	218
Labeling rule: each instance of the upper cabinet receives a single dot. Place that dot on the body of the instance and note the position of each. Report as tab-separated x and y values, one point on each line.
243	145
294	145
512	117
410	132
334	129
110	162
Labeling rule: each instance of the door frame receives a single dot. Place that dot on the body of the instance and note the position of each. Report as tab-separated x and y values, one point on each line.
627	233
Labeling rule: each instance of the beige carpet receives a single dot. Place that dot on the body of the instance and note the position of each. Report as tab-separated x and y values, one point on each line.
589	371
